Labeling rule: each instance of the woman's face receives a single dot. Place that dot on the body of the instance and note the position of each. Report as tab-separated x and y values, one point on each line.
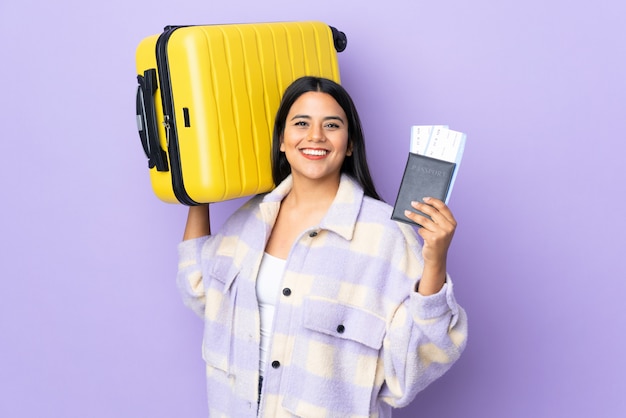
315	139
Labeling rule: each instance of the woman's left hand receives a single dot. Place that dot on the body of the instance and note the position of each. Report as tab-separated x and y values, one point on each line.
438	231
437	234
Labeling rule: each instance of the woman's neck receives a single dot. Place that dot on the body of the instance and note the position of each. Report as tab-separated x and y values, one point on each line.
310	194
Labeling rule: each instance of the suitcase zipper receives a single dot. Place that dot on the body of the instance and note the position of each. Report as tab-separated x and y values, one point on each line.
169	119
166	125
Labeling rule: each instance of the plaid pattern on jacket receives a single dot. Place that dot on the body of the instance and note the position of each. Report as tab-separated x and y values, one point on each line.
351	336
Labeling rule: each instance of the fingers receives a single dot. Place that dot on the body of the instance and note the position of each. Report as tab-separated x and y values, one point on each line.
436	209
438	212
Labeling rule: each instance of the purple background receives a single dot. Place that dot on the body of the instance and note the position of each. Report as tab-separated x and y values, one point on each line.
91	324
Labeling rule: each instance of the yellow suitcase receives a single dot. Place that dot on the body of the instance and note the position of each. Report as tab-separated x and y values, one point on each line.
207	97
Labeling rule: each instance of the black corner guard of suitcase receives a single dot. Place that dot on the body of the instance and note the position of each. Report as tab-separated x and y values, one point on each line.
339	38
146	121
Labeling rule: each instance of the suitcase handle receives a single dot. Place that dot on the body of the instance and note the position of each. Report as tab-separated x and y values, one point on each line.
339	39
146	121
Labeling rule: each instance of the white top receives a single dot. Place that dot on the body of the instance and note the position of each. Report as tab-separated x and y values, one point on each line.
267	293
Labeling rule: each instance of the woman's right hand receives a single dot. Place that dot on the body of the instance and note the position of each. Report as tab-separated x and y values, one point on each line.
198	222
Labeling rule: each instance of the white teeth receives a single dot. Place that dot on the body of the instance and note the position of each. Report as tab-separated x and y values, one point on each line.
317	152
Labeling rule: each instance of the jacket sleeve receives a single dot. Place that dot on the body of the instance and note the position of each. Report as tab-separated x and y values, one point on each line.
425	336
189	278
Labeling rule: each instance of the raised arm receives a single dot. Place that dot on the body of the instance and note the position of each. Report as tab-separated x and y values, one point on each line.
198	222
189	277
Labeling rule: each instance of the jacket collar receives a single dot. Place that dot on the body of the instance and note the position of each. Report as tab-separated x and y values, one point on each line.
341	216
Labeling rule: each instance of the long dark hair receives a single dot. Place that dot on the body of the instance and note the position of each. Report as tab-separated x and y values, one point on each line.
354	165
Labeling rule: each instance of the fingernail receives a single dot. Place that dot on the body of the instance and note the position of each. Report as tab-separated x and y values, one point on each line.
407	213
426	199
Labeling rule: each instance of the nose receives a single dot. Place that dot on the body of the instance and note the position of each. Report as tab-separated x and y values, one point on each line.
316	133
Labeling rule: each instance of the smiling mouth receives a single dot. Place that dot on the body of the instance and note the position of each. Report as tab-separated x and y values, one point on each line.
314	152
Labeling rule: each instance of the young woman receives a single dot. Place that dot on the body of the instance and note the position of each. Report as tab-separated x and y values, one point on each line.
316	303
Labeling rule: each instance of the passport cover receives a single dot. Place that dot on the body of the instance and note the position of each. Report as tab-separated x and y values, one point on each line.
423	177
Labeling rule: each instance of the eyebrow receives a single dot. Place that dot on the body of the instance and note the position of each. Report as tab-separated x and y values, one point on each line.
325	119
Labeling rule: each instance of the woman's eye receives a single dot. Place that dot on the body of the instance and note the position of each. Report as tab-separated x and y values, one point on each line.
332	125
300	123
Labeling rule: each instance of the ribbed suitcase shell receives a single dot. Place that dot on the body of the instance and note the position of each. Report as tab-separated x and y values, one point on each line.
219	87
